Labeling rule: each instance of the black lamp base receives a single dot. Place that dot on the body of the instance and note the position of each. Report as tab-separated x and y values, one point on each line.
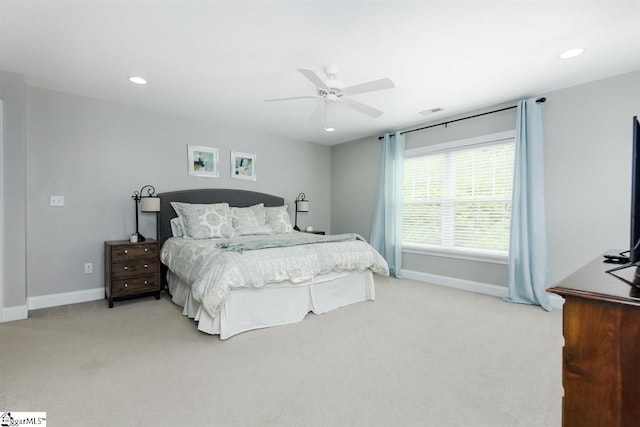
140	237
295	227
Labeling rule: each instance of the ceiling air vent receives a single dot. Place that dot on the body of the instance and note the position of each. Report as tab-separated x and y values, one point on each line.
431	111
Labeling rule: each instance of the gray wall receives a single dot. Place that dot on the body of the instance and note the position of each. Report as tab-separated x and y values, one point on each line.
587	172
354	177
588	138
13	192
97	153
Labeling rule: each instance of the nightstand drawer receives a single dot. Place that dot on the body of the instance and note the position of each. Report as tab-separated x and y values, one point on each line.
134	268
128	252
135	285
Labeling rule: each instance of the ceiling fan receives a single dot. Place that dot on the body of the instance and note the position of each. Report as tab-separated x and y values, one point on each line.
333	92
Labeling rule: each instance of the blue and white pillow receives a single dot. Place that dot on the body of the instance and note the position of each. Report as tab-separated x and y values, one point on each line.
204	221
278	219
251	220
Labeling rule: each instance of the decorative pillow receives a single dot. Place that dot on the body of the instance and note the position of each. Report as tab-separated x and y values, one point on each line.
278	219
176	227
251	220
252	216
204	221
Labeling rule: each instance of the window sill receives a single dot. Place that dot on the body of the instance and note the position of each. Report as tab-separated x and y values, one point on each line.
481	256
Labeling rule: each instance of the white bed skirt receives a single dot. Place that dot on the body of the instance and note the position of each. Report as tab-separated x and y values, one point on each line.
278	304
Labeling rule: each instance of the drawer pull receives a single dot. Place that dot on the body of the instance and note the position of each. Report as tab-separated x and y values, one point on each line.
145	266
146	249
126	286
126	251
126	268
146	282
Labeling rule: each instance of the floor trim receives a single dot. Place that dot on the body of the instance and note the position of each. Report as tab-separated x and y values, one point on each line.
9	314
75	297
468	285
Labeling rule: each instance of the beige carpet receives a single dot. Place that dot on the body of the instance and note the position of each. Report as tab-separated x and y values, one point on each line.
420	355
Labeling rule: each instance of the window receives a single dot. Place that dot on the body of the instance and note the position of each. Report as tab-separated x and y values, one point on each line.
457	196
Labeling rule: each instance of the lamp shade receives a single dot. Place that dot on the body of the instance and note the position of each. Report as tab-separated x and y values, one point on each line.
302	206
150	204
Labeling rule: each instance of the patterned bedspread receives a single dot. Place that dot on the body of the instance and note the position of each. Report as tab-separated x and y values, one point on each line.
213	267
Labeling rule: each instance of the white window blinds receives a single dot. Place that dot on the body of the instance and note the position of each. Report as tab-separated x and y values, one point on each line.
460	198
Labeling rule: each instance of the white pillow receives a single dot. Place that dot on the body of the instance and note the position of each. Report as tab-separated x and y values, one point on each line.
204	221
278	219
176	227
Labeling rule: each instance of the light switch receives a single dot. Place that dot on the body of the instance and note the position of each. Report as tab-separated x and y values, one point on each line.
56	201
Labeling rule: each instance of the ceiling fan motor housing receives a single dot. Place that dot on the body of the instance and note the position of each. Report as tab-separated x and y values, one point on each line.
336	87
332	94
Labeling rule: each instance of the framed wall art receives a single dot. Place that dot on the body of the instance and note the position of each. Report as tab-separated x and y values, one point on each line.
243	166
203	161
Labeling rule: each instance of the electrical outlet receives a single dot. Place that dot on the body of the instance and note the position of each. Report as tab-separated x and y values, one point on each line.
88	268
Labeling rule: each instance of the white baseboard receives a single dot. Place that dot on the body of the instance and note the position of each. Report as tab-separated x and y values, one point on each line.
54	300
468	285
451	282
9	314
21	312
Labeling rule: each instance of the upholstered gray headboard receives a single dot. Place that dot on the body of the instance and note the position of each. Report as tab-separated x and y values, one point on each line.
235	198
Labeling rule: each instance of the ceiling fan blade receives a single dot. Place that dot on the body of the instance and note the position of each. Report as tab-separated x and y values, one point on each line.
290	98
314	78
364	109
370	86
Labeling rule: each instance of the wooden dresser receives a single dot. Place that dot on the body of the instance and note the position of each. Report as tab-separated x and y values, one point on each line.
131	269
601	355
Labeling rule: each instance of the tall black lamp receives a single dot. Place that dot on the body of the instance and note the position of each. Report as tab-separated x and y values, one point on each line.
302	205
148	203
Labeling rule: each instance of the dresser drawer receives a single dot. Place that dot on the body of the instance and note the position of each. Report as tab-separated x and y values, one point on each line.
135	285
128	252
134	268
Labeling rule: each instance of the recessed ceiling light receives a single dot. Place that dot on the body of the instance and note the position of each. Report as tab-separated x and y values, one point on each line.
571	53
137	80
329	129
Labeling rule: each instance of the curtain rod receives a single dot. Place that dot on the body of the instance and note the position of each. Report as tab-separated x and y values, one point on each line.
539	100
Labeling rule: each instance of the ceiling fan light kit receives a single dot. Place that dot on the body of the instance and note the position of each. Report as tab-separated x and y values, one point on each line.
328	108
333	92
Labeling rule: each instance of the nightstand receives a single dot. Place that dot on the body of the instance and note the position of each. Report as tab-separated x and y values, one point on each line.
315	232
131	269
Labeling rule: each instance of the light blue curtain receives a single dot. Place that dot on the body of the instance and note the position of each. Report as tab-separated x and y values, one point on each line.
528	259
386	229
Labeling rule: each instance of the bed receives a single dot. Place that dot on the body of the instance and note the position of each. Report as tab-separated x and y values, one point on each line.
226	283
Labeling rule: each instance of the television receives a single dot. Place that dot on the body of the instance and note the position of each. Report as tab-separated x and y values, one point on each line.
634	234
634	247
